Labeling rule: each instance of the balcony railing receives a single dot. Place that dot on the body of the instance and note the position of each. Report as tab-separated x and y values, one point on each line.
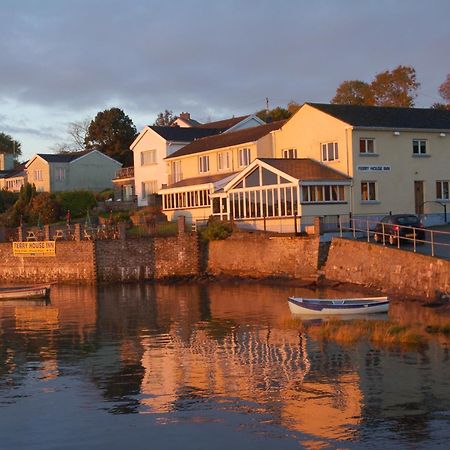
125	172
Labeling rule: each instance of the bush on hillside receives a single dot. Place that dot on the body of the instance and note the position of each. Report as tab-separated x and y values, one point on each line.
43	209
216	230
77	202
7	200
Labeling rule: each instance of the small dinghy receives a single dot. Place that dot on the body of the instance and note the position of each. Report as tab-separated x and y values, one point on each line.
24	292
332	306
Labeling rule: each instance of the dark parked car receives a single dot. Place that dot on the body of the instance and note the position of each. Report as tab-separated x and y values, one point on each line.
403	226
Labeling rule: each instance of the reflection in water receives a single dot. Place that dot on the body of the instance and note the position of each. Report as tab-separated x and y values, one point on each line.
223	358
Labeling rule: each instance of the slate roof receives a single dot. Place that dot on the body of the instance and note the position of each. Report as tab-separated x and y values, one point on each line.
201	180
184	134
227	139
17	171
62	157
225	123
388	117
305	169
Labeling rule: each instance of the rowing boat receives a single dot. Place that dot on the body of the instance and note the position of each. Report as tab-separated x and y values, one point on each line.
332	306
24	292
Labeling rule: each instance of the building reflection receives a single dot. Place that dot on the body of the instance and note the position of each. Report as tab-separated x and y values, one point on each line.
164	349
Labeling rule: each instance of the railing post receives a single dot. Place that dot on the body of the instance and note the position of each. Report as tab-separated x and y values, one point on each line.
77	232
414	238
353	228
340	226
295	224
382	231
432	242
368	230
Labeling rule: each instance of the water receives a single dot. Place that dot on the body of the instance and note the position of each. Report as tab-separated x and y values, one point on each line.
208	366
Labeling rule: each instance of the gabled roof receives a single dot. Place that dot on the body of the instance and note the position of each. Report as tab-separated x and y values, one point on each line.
388	117
184	134
305	169
17	171
201	180
62	157
225	123
190	122
227	139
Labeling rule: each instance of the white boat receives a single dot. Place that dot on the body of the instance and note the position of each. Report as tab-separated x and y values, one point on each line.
334	306
24	292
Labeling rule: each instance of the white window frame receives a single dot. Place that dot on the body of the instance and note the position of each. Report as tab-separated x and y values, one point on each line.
175	169
368	184
148	157
223	161
309	193
38	175
366	150
149	187
60	174
422	147
443	190
329	151
289	153
244	157
203	164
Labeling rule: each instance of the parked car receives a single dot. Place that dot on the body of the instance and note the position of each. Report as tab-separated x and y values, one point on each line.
399	226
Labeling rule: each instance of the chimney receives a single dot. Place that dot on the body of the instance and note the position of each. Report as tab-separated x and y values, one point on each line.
185	116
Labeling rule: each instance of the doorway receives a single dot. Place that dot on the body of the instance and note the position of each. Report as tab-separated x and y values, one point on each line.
418	196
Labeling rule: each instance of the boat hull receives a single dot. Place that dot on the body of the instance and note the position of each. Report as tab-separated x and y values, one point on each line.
24	292
338	306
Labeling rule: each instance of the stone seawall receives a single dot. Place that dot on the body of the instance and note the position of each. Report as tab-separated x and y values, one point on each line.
147	258
258	256
74	261
392	270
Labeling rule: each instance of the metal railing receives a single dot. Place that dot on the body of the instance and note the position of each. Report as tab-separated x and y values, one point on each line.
124	172
393	234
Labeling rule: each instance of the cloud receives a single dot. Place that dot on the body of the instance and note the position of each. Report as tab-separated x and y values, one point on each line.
211	58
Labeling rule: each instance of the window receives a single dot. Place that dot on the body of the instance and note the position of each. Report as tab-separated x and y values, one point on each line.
419	147
323	194
203	164
223	161
443	190
176	174
60	174
290	153
368	191
148	157
38	175
191	199
149	187
367	146
244	157
330	151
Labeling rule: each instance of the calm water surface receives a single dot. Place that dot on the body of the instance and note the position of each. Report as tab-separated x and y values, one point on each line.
208	366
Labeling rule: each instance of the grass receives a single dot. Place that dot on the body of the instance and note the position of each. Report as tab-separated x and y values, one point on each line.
378	332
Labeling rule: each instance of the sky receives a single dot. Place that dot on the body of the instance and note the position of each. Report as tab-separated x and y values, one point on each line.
65	60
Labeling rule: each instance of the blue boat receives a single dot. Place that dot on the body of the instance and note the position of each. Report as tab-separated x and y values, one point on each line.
338	306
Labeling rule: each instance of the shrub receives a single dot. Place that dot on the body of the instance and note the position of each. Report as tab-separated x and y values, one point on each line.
216	230
77	202
7	199
43	209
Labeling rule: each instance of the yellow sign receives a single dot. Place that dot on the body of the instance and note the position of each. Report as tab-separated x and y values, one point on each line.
34	248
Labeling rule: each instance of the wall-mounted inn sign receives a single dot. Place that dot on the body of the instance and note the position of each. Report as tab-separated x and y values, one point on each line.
374	168
34	248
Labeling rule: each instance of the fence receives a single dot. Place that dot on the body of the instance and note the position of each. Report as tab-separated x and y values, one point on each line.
437	242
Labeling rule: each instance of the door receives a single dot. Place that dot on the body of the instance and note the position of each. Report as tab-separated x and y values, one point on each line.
418	196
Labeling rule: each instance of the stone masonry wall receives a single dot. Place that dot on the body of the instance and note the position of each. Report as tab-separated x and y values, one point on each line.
258	256
147	258
389	269
74	261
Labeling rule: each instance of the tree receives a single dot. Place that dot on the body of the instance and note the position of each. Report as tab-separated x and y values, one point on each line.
444	90
10	145
77	132
112	133
353	92
165	118
43	209
397	87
